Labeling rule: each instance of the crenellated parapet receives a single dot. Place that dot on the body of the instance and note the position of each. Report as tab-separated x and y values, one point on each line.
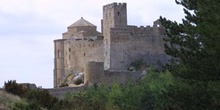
155	30
114	5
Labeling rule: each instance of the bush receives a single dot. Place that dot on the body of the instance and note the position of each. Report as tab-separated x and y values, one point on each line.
14	88
130	96
42	98
36	99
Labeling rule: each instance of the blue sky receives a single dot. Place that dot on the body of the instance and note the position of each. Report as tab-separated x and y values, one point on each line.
28	28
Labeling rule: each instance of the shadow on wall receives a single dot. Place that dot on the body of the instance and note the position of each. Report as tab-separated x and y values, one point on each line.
95	74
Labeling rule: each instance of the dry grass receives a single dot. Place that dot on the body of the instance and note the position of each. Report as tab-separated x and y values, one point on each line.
7	99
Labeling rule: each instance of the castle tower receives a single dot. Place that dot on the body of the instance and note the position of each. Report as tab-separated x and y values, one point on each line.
114	16
58	61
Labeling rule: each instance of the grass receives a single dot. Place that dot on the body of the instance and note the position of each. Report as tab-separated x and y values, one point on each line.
7	100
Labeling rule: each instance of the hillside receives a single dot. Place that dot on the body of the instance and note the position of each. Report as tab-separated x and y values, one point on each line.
7	101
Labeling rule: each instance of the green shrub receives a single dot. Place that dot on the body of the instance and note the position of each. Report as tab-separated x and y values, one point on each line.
14	88
42	98
20	106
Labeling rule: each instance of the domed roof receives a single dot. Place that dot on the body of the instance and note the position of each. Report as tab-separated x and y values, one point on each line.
81	22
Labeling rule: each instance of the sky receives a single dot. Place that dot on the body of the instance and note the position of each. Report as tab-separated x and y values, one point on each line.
28	28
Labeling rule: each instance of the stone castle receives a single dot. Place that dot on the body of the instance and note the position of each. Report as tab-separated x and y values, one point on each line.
101	57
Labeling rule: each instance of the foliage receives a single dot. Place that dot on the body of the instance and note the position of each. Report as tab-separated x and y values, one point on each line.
137	65
42	98
130	96
20	106
153	84
13	102
194	44
155	90
14	88
36	99
89	99
7	99
195	50
195	97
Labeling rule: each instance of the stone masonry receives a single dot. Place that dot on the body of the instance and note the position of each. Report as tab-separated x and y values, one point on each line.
117	46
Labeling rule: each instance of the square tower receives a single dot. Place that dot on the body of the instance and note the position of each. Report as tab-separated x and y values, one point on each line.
114	16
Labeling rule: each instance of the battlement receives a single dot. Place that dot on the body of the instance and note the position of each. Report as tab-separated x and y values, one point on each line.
113	5
144	27
138	31
150	30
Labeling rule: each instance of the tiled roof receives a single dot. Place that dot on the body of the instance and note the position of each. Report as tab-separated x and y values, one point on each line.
81	22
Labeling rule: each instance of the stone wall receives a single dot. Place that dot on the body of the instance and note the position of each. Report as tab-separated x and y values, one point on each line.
121	77
95	74
28	86
132	43
58	61
77	53
60	92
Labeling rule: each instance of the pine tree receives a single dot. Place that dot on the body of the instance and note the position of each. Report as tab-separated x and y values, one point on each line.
194	44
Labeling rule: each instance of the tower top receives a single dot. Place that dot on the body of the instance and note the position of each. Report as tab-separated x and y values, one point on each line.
81	22
112	5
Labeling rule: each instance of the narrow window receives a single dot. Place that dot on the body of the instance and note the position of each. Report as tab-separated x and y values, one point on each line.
69	49
59	54
84	54
118	13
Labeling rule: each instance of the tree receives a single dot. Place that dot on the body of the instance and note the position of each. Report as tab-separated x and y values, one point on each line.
14	88
194	43
195	50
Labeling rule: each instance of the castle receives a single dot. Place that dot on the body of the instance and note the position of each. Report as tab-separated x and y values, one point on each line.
109	54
